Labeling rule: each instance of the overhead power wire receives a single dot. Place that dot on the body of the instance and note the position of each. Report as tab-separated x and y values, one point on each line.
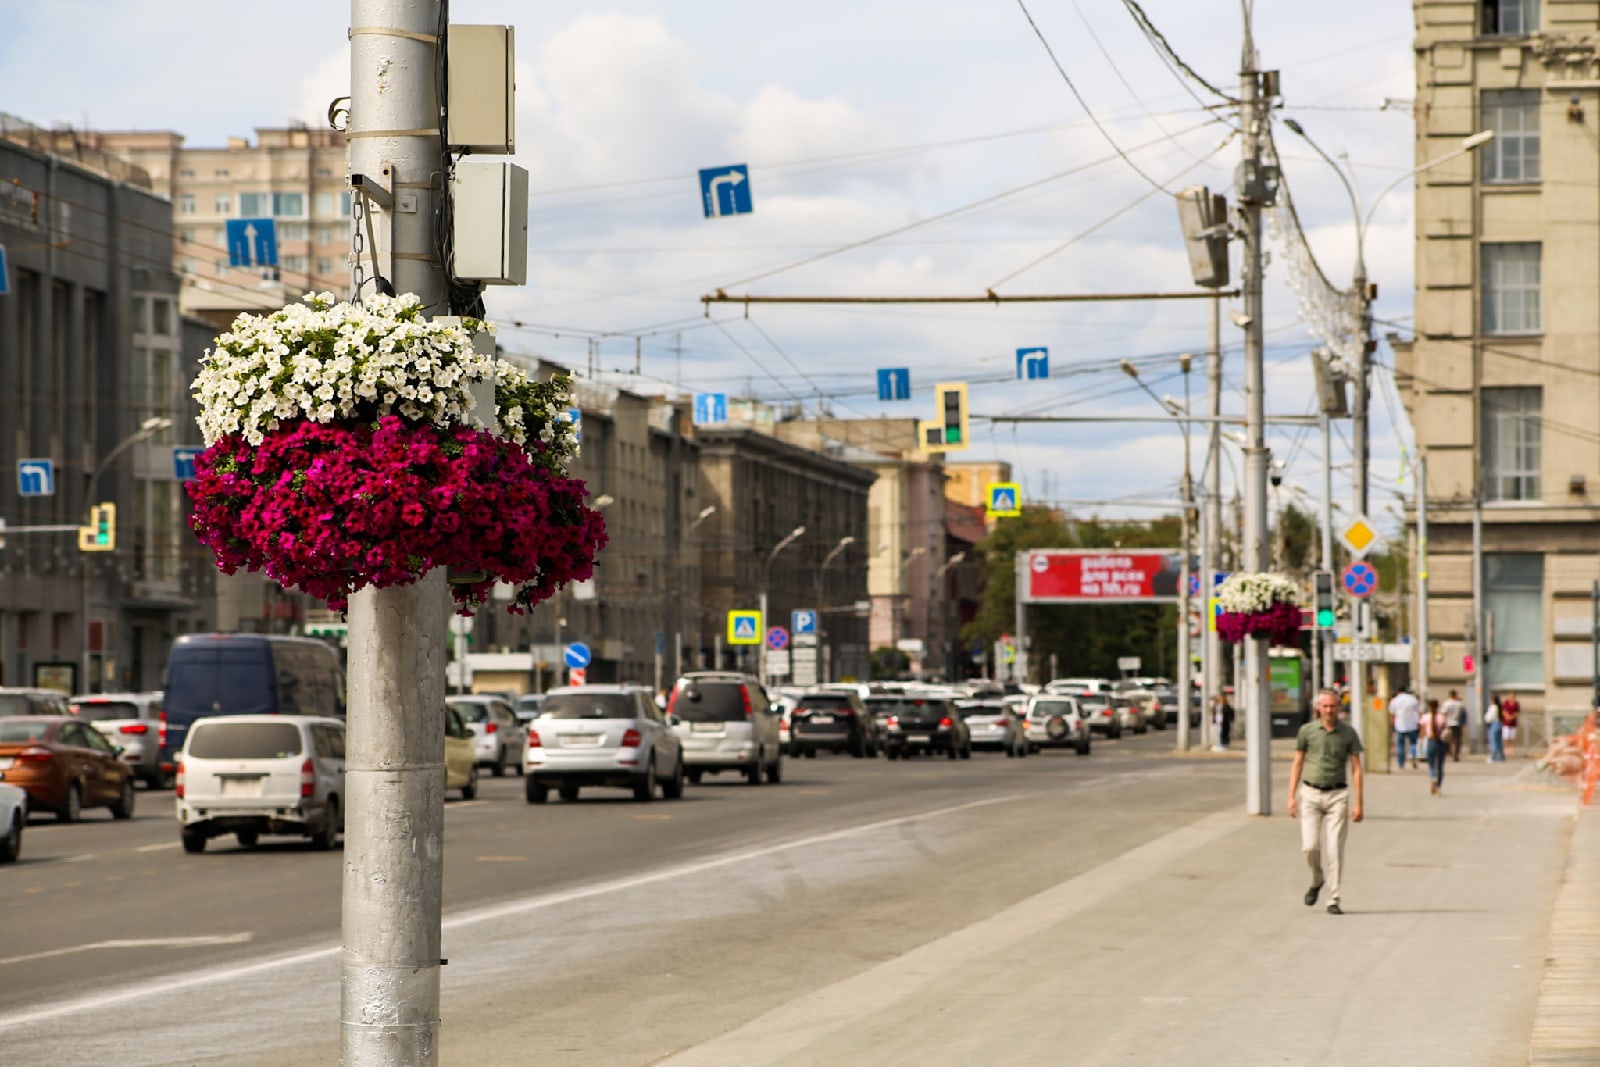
1164	48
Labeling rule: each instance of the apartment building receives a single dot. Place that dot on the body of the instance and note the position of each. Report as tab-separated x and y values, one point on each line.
1502	379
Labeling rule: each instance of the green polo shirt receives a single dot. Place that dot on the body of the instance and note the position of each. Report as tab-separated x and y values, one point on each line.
1327	752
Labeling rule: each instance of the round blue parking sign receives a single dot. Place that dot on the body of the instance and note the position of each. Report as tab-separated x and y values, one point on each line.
1360	578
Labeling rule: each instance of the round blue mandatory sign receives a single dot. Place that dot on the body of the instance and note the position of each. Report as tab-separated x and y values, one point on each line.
577	655
1360	578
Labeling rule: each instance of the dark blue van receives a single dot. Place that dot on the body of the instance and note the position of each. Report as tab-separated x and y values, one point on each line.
248	674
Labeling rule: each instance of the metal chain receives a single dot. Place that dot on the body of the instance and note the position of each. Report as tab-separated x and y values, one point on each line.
358	273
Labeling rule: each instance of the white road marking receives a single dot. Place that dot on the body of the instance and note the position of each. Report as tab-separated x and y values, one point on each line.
145	942
158	848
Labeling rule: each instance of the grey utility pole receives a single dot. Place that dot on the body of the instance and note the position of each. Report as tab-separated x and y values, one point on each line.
1255	189
394	763
1213	523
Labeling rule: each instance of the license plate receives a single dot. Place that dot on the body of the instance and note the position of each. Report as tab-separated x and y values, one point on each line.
241	787
5	763
917	739
705	727
821	720
580	740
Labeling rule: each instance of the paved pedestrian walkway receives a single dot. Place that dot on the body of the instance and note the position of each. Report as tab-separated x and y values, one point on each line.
1196	948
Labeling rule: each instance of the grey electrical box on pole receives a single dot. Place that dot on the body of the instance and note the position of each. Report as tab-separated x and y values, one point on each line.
482	116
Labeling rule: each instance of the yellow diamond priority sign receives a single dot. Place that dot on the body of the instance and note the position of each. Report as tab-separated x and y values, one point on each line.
1359	536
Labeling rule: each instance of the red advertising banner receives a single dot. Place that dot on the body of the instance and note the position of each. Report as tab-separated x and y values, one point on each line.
1077	576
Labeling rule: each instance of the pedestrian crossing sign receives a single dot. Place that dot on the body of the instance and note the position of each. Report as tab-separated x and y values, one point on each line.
1005	499
744	627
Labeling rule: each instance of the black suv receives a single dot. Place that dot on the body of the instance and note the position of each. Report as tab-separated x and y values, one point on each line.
914	723
835	721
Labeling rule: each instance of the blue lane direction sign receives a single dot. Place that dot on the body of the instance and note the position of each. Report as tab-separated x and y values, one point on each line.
252	243
1033	363
36	477
894	383
710	408
744	627
1005	498
5	273
777	639
803	621
1194	584
1360	578
183	462
725	190
577	655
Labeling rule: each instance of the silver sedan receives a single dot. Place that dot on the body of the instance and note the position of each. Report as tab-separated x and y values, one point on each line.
994	725
602	735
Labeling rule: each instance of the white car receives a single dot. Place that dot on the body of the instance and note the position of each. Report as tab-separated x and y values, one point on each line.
249	775
13	817
135	723
602	735
1055	721
726	723
995	724
498	736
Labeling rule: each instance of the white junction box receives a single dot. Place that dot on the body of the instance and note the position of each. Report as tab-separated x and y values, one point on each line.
490	237
481	113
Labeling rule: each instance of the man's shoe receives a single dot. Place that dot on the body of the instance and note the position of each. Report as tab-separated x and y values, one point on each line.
1334	909
1311	895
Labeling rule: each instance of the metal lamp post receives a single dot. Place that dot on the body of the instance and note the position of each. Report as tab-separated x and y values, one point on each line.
147	429
944	609
766	576
699	609
826	650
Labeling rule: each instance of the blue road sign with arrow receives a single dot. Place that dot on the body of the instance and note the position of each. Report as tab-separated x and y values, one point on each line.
725	190
577	655
710	408
183	462
5	273
1033	363
36	477
894	383
252	243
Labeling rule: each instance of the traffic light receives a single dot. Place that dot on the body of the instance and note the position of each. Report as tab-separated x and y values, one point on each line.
948	430
1324	599
101	533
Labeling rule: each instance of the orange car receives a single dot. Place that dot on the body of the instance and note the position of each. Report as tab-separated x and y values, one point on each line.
65	765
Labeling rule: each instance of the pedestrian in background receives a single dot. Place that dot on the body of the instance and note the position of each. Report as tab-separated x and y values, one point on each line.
1222	719
1325	773
1491	721
1455	717
1510	713
1405	711
1435	746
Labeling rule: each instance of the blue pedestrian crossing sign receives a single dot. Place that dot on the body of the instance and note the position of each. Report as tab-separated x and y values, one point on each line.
1005	499
725	190
894	383
576	655
710	408
803	621
252	243
1033	363
183	462
36	477
744	627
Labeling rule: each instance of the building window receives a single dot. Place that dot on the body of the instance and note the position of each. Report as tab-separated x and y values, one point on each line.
1510	16
1513	155
186	204
186	174
289	205
1511	288
186	235
222	204
325	233
292	231
1511	443
220	173
1513	584
293	264
324	268
255	205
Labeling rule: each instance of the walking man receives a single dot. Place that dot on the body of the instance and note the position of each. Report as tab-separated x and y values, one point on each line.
1406	712
1325	773
1455	717
1510	715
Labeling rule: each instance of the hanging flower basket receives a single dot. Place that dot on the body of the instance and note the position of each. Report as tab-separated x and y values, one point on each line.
1259	605
343	450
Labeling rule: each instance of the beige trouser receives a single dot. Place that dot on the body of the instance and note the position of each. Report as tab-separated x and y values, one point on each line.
1324	820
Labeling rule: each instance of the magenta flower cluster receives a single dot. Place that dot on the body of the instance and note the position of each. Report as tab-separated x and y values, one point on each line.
1279	623
330	508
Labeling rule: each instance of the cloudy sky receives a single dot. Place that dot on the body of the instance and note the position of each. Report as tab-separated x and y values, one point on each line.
895	147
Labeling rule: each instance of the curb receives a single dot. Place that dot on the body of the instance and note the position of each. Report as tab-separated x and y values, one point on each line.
1566	1023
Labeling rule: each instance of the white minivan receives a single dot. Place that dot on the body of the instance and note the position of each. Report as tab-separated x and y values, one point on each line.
249	775
726	723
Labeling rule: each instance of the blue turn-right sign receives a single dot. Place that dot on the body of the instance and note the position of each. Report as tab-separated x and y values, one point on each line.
1033	363
725	190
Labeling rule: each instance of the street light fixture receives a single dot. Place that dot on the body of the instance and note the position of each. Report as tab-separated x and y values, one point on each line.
822	615
766	575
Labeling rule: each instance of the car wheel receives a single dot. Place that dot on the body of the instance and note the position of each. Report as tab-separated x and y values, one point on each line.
672	788
1011	751
1083	746
470	790
891	753
953	753
694	777
775	771
811	753
644	790
72	810
193	841
1034	749
328	834
11	844
568	792
163	780
752	773
499	768
246	838
522	758
123	808
536	792
966	750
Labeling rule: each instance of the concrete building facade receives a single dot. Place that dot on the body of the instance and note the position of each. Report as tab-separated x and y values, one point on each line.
1502	379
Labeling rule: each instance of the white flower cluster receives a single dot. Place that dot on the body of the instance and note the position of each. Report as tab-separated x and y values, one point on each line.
1247	594
323	361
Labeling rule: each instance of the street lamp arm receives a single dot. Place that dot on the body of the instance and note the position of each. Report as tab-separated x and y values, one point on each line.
1468	145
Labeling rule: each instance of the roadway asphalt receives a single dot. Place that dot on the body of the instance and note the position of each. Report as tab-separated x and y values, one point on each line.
1051	910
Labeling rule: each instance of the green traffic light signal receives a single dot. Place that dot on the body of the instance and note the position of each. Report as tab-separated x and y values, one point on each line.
1325	618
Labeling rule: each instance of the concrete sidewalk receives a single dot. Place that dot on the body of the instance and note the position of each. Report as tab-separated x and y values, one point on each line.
1195	948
